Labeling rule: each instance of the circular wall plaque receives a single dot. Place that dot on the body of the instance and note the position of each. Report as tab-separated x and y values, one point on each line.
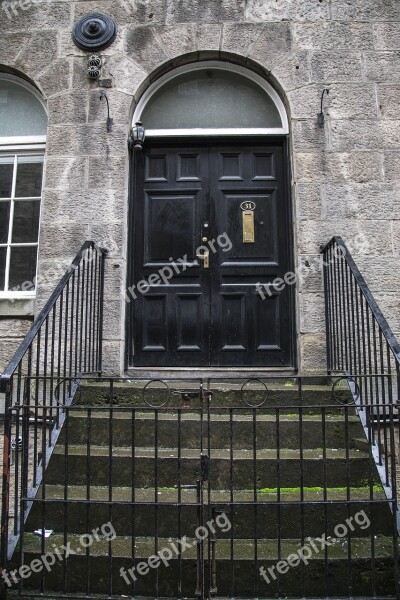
94	31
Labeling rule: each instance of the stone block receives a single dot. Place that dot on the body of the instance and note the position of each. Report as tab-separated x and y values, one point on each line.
387	36
115	279
336	66
125	11
11	43
209	37
396	237
382	66
362	201
119	104
7	349
108	172
40	52
364	135
312	312
365	10
55	79
286	10
293	71
14	328
344	101
333	35
110	236
178	39
312	353
390	307
363	237
308	201
85	207
310	273
143	47
382	273
392	166
308	136
126	74
62	239
17	307
239	37
113	357
338	166
37	16
114	322
272	45
83	140
204	11
388	100
68	108
65	173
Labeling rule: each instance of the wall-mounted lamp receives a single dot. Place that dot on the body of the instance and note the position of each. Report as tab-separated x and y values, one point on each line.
103	95
137	137
321	116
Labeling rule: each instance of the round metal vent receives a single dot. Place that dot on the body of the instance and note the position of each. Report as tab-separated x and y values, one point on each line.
94	31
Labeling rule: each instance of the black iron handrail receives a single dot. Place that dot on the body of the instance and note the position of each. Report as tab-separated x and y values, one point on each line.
64	342
361	345
334	280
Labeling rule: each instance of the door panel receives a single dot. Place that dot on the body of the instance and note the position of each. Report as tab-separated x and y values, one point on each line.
211	316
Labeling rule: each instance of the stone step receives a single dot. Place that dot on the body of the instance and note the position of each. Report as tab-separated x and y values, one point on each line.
219	430
247	521
338	470
94	565
224	394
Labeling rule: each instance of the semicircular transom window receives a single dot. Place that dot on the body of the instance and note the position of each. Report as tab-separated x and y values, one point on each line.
214	99
21	113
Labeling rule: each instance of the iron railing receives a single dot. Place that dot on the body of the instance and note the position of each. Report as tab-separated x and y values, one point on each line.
64	342
280	459
359	339
362	346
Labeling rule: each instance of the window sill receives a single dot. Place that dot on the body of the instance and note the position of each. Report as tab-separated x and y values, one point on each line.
21	306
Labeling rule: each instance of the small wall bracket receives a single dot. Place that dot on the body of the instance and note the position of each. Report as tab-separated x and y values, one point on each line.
320	115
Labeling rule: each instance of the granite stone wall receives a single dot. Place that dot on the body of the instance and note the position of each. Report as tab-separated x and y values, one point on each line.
345	177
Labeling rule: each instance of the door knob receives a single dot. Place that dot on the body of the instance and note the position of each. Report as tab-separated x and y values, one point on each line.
204	239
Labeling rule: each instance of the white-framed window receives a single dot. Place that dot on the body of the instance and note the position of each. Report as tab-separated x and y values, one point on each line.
23	126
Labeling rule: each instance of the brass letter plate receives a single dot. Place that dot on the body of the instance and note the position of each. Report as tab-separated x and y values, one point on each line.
248	226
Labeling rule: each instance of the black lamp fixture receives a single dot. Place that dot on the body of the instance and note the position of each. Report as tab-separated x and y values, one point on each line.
320	115
137	136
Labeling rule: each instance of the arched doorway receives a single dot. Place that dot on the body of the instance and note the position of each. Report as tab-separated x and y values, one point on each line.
210	222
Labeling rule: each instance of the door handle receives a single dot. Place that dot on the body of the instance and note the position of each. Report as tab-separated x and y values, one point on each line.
205	257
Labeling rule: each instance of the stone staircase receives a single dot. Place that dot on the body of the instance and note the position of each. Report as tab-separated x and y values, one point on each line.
284	476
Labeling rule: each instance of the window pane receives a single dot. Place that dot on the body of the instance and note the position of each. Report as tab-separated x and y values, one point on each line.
21	113
210	98
29	177
6	177
3	254
26	221
22	268
4	221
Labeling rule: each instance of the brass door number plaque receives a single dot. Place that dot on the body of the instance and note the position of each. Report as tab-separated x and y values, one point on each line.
248	222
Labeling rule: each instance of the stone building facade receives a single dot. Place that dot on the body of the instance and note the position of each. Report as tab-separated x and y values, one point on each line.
344	178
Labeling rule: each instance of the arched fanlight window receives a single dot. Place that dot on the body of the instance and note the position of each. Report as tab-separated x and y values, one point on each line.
211	98
23	126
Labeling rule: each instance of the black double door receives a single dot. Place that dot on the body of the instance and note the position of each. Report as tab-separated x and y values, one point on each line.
209	223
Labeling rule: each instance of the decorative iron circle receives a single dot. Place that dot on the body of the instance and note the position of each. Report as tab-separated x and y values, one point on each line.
162	403
248	403
355	395
94	31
